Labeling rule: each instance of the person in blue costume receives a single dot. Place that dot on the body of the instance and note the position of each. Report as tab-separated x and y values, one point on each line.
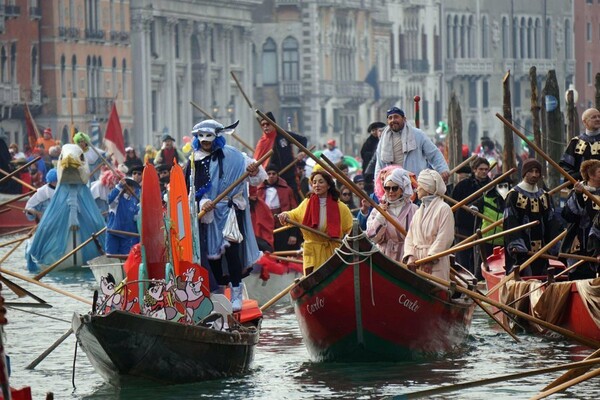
71	217
123	212
37	204
217	166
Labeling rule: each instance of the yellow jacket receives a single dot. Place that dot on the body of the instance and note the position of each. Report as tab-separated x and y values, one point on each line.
318	249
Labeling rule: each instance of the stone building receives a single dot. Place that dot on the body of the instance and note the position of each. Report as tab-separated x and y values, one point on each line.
587	51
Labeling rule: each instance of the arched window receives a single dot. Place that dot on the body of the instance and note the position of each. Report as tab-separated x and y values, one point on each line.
115	82
122	16
449	38
63	76
99	79
89	73
124	81
485	31
523	38
505	38
530	39
3	61
291	69
269	58
548	41
34	65
74	76
515	38
13	62
568	40
538	38
456	37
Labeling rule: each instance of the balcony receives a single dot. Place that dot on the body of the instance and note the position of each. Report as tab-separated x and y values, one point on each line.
570	67
469	66
74	33
35	12
389	90
415	66
63	31
10	94
95	35
542	65
36	95
12	11
290	89
124	36
353	89
98	105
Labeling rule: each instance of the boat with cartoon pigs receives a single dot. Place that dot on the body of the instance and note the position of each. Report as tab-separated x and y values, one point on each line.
161	323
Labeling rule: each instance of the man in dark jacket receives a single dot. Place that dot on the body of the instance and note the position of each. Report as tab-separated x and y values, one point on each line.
367	151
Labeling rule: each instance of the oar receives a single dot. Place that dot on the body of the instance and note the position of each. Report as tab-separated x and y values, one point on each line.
312	230
462	164
461	247
49	350
278	296
283	228
20	239
559	188
239	180
479	191
287	259
528	262
44	285
69	254
8	253
467	208
581	257
14	178
287	253
233	134
290	165
547	158
573	373
502	378
118	232
483	231
567	384
20	291
346	181
17	198
15	231
21	168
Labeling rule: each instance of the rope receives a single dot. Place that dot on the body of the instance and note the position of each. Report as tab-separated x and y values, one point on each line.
38	314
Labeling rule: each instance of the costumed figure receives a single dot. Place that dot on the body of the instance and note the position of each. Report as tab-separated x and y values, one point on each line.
585	146
39	201
102	187
92	153
123	213
169	152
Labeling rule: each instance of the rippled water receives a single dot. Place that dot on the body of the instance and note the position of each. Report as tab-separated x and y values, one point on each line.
282	369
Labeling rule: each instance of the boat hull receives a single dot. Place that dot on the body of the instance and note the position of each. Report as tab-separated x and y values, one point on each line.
13	218
263	291
377	311
122	345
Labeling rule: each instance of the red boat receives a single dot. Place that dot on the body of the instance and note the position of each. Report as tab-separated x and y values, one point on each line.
568	304
362	306
13	217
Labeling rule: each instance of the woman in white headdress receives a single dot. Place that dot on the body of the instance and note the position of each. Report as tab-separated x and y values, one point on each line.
396	201
432	227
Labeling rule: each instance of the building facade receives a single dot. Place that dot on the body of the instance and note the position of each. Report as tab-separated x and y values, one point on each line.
587	51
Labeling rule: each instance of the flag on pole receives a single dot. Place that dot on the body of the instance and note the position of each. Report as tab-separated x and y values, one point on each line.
32	131
113	139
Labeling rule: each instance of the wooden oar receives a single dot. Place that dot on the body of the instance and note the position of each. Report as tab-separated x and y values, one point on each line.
290	165
283	228
233	134
346	181
278	296
479	191
14	178
8	253
46	286
468	245
49	350
312	230
502	378
239	180
125	233
589	259
17	240
528	262
287	259
467	208
573	373
63	258
29	211
21	168
462	164
483	231
17	198
287	253
567	384
15	231
559	188
532	145
22	292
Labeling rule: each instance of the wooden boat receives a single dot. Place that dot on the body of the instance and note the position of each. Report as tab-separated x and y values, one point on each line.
365	307
268	279
568	304
12	217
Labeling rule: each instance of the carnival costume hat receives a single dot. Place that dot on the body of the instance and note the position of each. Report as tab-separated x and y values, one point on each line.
52	176
81	136
210	130
431	181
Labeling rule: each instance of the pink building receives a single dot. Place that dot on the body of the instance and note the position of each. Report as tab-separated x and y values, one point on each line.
587	50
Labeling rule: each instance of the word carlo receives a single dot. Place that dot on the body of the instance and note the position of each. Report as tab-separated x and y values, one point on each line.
316	305
412	305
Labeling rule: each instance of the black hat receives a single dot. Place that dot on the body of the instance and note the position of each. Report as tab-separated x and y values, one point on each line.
270	115
358	178
162	167
375	125
272	167
166	137
395	110
136	168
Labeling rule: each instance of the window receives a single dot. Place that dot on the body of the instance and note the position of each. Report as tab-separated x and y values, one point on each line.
34	65
3	60
290	59
484	37
124	81
485	94
176	38
269	58
473	94
517	97
63	76
13	63
588	73
115	82
588	31
74	76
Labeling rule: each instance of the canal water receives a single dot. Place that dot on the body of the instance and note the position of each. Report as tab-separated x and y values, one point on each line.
282	368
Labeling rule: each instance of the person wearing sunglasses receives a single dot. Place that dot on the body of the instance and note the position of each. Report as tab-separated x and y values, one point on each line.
396	202
402	144
432	228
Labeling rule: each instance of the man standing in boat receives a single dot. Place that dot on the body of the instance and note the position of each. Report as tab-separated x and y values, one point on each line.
528	202
217	166
583	147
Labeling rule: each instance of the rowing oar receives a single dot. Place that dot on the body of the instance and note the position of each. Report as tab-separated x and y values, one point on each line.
346	181
462	164
29	211
468	245
63	258
467	208
22	292
239	180
125	233
312	230
573	373
233	134
287	259
50	349
567	384
478	192
565	332
17	198
483	231
44	285
278	296
283	228
16	171
577	264
559	188
532	145
527	263
290	165
287	253
22	182
18	239
589	259
502	378
16	231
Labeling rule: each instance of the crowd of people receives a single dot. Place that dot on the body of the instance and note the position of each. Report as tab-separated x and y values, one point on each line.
402	170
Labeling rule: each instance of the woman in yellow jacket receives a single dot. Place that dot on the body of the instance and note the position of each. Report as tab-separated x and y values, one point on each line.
323	211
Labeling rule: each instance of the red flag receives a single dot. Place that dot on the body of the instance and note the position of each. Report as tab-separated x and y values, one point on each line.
32	130
113	139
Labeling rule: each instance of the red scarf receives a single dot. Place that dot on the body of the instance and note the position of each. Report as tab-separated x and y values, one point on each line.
265	143
333	222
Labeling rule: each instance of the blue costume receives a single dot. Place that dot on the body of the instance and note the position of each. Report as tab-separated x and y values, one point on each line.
122	216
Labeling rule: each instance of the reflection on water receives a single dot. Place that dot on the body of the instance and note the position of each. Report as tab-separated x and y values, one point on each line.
282	368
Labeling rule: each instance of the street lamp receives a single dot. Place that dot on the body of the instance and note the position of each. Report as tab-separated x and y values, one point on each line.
215	110
575	94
